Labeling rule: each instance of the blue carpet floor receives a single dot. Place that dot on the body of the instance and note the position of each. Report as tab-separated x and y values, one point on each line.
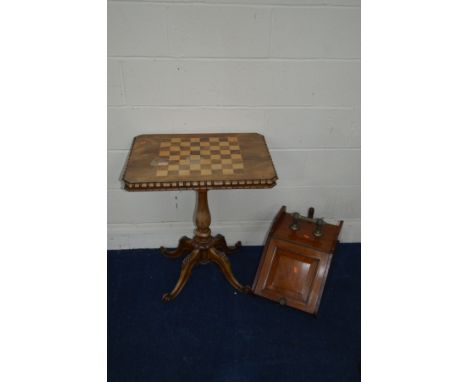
212	333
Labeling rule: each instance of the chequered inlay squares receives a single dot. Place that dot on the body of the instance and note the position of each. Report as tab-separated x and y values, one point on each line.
200	156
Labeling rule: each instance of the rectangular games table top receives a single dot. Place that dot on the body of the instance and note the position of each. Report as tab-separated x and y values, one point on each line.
199	161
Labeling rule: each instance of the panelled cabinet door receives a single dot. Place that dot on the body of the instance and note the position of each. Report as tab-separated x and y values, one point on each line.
293	275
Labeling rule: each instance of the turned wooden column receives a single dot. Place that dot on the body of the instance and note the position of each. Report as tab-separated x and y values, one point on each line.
202	217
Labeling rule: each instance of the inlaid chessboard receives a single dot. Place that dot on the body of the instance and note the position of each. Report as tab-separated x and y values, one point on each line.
193	161
188	156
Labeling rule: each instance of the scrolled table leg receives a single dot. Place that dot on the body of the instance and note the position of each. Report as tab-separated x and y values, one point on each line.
185	246
219	242
187	265
224	264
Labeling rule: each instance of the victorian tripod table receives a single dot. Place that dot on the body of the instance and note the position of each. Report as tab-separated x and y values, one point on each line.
200	162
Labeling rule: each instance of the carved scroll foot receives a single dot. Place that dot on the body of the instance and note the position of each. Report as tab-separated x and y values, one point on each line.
224	264
185	246
187	265
219	242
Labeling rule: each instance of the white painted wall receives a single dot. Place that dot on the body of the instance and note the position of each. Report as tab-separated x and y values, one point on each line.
288	69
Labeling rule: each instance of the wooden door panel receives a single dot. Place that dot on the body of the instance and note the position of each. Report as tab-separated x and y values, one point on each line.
294	274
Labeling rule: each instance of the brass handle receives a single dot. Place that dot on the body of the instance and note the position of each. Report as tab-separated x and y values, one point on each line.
295	224
318	227
319	222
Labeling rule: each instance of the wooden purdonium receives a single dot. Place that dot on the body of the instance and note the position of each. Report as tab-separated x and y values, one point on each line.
296	259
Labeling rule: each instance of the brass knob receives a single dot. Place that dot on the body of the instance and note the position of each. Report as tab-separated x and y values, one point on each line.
318	227
282	301
295	224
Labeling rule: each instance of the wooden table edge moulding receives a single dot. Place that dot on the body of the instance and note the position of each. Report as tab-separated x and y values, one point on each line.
200	162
